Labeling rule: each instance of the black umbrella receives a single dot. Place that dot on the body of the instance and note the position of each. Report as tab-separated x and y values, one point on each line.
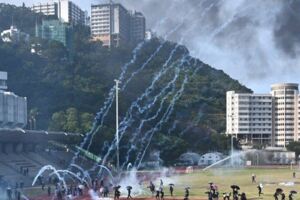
293	192
129	187
235	187
117	187
187	188
171	184
279	190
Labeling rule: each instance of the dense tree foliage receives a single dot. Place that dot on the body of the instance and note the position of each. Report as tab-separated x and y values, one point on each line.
64	94
295	147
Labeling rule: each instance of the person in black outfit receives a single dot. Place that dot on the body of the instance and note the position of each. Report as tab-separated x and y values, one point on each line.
243	196
129	188
162	195
171	189
187	194
49	191
259	187
157	194
282	196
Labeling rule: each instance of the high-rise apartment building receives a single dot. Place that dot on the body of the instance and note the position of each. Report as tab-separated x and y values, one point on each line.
64	10
137	27
269	119
114	25
48	9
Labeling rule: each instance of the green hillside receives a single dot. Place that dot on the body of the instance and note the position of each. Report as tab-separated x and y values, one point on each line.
65	95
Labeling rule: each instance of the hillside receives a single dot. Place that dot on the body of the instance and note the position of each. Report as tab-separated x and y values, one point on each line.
66	95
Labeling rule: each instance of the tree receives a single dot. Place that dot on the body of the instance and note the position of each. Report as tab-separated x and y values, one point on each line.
295	147
58	121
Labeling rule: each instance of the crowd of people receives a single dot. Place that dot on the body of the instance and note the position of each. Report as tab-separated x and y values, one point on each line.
102	188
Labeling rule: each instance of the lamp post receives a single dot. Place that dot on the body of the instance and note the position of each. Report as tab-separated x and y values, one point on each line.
117	123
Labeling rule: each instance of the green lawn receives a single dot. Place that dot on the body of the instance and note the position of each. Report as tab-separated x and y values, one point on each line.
224	178
270	178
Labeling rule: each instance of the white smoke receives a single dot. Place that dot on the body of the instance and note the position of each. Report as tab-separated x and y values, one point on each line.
243	38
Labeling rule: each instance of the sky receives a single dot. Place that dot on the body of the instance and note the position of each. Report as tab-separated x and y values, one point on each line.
256	42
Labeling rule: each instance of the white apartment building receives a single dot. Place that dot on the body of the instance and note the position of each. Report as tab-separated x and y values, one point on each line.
65	10
114	25
13	109
269	119
48	9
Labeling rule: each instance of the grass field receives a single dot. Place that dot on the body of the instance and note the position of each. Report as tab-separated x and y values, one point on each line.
224	178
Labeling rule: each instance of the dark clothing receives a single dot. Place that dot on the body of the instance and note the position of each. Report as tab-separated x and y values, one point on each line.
157	195
162	195
129	194
171	190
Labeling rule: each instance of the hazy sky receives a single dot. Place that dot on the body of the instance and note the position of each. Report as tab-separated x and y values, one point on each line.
256	42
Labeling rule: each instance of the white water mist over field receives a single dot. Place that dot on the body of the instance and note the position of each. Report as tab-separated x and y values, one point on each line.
256	42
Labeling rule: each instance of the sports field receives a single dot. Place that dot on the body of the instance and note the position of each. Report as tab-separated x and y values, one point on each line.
270	177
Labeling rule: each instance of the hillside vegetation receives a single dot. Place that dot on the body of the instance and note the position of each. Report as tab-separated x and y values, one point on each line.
65	95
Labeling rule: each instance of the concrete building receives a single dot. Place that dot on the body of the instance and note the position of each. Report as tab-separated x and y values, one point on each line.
114	25
64	10
48	9
55	30
137	27
14	35
13	109
268	119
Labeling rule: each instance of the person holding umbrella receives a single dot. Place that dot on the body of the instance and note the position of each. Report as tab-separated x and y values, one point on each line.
171	188
235	192
117	192
187	193
278	191
129	188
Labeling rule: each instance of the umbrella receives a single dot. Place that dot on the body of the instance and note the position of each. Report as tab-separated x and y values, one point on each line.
235	187
81	187
129	187
293	192
117	187
187	188
279	190
171	184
